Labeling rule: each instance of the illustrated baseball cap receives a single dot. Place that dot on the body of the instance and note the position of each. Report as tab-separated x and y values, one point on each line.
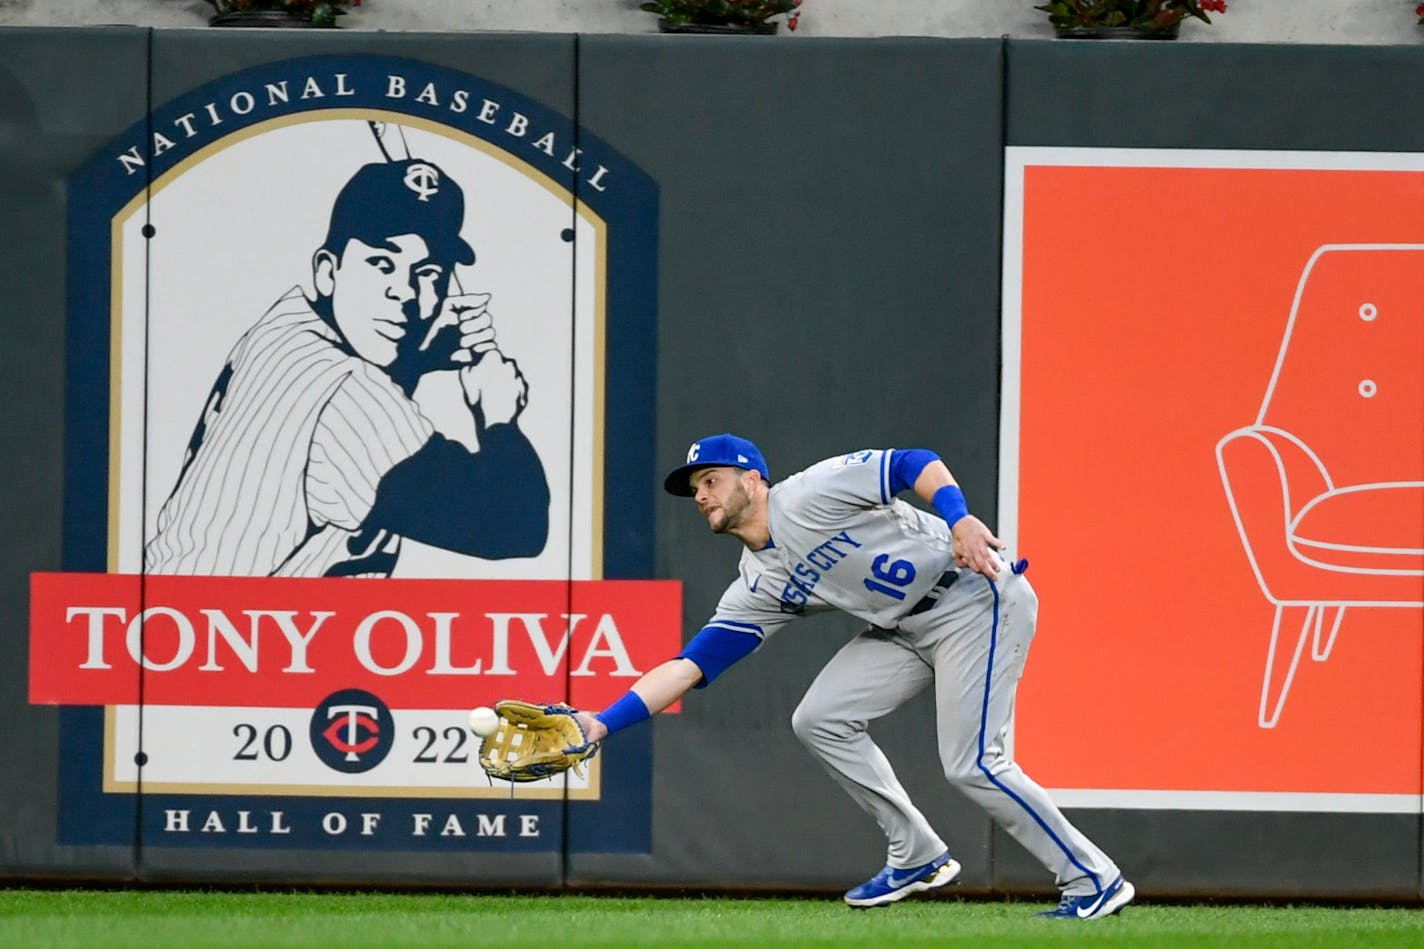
715	451
414	196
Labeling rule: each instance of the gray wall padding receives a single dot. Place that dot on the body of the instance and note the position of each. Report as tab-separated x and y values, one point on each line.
828	281
52	118
829	273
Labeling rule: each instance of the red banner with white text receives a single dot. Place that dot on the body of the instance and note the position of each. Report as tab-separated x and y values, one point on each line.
262	641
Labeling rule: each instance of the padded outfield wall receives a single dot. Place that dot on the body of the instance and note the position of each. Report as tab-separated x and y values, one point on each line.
1102	310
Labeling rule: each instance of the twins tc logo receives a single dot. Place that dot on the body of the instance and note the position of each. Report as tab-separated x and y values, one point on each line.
423	179
352	731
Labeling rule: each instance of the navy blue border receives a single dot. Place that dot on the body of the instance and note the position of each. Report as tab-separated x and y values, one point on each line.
627	202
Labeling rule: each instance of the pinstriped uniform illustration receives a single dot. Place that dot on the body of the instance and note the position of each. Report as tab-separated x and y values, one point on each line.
311	457
284	465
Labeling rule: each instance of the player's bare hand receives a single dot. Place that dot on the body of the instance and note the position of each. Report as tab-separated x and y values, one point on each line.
496	385
592	727
976	547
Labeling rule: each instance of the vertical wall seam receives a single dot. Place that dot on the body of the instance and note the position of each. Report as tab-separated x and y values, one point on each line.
565	808
143	460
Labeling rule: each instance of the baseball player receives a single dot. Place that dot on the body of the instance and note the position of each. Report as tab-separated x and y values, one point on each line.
944	609
310	457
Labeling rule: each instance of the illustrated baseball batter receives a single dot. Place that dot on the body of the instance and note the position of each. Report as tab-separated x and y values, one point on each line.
944	609
311	458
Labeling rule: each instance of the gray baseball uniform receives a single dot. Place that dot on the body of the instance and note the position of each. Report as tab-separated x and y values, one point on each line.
839	540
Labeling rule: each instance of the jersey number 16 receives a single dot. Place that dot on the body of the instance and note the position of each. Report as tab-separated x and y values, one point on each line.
900	573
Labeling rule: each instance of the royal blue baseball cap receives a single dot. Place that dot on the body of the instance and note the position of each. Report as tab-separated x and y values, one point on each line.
715	451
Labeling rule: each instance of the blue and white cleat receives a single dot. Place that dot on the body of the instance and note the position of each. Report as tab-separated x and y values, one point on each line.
894	883
1094	905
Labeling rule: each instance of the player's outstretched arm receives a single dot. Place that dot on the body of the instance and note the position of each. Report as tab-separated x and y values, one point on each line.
655	691
715	648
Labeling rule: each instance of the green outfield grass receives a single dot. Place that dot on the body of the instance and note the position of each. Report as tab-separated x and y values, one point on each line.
154	919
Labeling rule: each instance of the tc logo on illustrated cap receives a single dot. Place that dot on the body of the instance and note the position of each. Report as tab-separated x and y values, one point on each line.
715	451
386	199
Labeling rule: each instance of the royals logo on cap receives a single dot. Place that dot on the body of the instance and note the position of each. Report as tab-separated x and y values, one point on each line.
716	451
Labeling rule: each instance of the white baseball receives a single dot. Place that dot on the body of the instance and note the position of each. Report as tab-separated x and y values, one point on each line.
484	721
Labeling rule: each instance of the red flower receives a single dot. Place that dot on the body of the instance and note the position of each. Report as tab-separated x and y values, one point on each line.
791	20
1215	6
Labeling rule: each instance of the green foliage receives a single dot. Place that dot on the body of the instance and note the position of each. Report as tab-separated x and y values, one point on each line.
720	12
1142	14
320	12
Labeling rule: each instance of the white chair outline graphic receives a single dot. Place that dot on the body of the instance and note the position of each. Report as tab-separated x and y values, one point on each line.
1287	505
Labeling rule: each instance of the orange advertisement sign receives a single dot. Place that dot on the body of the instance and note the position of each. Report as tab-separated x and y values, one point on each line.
1213	454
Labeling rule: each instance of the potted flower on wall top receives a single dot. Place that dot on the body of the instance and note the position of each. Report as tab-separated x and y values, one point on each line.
1139	19
279	13
723	16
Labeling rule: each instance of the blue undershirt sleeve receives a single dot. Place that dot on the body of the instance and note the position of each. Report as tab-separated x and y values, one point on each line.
906	465
629	710
716	648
